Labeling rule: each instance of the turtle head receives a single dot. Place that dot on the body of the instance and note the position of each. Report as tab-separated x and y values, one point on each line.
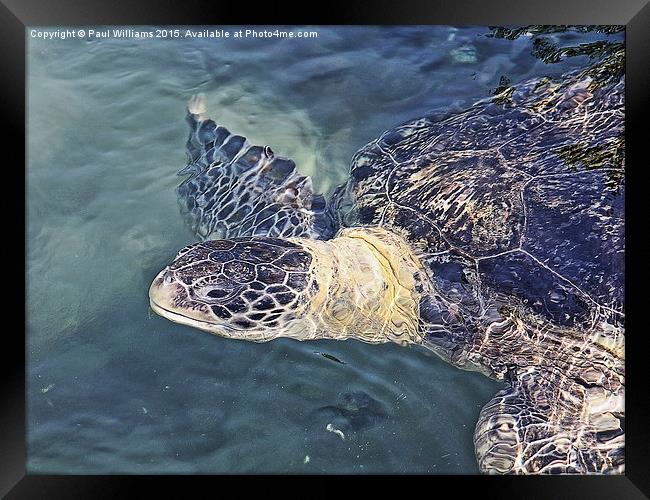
359	285
252	288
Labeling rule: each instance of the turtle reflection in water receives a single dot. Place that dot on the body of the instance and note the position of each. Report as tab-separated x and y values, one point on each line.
493	236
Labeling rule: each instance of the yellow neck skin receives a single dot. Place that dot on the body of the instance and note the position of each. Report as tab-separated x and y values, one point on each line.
366	280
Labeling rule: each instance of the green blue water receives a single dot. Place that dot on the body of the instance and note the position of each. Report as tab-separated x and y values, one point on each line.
113	388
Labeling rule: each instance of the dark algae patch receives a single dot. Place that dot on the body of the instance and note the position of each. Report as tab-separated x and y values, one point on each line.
549	53
607	57
504	91
607	155
537	29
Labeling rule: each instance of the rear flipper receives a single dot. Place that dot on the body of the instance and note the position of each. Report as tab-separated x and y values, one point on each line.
236	189
539	425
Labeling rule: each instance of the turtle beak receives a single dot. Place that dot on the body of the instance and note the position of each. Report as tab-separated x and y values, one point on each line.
166	298
165	295
162	290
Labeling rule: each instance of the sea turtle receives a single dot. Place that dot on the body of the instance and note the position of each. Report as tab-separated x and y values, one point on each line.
492	236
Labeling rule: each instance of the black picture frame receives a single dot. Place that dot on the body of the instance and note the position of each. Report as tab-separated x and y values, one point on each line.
15	15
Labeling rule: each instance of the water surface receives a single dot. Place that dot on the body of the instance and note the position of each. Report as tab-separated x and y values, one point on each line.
113	388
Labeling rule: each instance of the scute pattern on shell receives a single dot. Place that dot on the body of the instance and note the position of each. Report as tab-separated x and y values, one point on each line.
516	209
540	176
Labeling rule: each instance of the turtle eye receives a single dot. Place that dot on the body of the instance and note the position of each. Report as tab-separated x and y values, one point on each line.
217	293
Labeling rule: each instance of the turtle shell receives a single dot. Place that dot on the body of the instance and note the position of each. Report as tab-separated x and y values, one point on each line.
520	198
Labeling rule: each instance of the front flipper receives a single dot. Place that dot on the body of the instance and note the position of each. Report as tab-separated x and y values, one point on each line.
237	189
546	424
